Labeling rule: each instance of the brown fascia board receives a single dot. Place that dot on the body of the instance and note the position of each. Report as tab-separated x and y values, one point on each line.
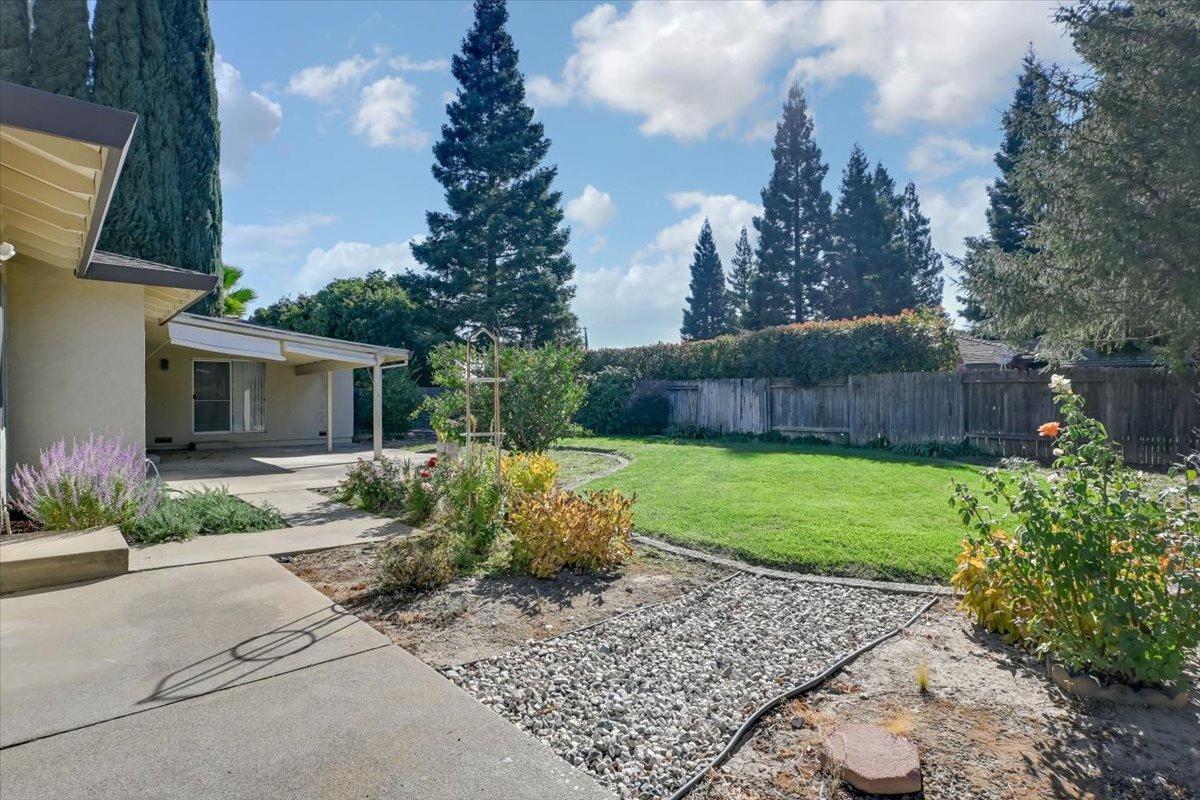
122	269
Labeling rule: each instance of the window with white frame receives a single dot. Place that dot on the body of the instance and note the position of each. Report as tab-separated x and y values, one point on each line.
228	396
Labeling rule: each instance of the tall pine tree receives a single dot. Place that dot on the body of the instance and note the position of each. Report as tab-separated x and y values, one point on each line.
498	256
199	139
793	231
741	277
14	41
861	243
890	279
60	47
923	263
1009	222
131	70
707	315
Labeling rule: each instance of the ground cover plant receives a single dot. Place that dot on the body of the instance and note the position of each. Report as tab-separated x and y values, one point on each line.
1086	567
99	481
202	512
830	509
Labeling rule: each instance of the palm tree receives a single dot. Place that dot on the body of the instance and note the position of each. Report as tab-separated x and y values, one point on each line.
233	300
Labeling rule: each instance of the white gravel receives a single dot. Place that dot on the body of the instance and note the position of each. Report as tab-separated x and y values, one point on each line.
645	700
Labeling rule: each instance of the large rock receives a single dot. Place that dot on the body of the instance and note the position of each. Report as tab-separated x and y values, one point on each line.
873	760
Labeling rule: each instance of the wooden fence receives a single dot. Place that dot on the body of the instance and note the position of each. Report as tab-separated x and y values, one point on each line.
1153	414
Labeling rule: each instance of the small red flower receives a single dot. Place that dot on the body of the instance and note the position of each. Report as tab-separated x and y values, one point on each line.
432	462
426	473
1049	429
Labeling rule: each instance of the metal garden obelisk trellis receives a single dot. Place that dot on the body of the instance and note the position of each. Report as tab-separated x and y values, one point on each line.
495	379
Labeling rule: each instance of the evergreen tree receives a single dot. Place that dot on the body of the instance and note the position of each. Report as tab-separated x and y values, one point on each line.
198	146
793	231
60	47
891	282
707	314
923	263
741	277
1009	222
498	256
862	242
131	70
14	41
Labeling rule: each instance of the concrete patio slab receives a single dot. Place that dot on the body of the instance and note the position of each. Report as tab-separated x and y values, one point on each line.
377	725
234	680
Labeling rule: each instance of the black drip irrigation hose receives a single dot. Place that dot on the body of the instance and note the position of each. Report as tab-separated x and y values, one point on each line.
808	685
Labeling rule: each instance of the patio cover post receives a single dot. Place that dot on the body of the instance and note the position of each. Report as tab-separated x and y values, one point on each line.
377	406
329	411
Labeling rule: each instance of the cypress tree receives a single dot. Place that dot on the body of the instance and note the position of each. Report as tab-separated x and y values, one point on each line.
14	41
131	71
793	231
1009	221
890	280
190	45
860	243
60	47
498	256
923	263
707	314
741	277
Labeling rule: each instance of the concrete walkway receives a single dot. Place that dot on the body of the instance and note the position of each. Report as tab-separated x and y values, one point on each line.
233	680
282	477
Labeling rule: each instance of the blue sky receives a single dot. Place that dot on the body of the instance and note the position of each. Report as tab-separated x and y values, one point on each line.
660	114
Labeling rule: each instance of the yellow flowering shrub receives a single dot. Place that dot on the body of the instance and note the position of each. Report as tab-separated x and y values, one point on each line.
529	473
556	529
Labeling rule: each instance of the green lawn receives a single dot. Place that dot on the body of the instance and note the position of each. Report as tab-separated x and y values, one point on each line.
827	509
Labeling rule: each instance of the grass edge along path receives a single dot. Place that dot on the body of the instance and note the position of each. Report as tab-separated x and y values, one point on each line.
829	510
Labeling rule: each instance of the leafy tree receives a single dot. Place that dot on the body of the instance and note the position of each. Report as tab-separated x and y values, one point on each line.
498	256
132	71
198	145
923	264
794	229
14	41
60	47
707	314
377	309
1009	222
1113	173
234	298
741	277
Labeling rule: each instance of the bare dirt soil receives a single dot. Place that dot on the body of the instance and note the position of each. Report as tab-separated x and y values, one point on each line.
990	727
481	617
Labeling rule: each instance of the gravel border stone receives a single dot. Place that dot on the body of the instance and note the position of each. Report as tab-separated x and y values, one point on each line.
646	699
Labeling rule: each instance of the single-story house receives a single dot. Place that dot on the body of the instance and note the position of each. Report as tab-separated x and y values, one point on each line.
95	341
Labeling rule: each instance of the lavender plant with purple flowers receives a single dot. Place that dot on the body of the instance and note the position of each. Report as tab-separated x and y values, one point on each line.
100	481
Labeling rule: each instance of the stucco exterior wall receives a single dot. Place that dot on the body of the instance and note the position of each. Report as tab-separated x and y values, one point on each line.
74	355
295	412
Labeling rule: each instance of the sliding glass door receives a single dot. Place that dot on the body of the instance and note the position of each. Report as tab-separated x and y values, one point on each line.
228	396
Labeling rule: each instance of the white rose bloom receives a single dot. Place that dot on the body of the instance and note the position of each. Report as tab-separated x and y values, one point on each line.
1060	383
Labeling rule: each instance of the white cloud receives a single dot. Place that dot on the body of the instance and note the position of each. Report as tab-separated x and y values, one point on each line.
542	91
958	213
686	68
353	260
689	68
929	61
938	155
643	301
403	63
248	119
385	115
273	244
323	82
593	209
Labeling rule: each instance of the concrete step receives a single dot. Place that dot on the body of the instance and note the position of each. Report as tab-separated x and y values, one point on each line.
40	561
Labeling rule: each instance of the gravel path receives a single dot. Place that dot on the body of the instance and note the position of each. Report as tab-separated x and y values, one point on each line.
645	700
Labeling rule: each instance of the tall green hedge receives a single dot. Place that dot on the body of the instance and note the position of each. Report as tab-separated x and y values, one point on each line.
807	352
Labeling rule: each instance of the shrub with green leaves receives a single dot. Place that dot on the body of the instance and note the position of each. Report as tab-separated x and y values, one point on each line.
401	401
1086	566
914	341
541	392
202	512
648	414
376	485
414	562
606	404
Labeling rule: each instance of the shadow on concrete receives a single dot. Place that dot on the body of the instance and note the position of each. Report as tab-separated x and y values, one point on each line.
248	657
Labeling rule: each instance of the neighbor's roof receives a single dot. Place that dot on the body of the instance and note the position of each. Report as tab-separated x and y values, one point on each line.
974	352
59	162
309	353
